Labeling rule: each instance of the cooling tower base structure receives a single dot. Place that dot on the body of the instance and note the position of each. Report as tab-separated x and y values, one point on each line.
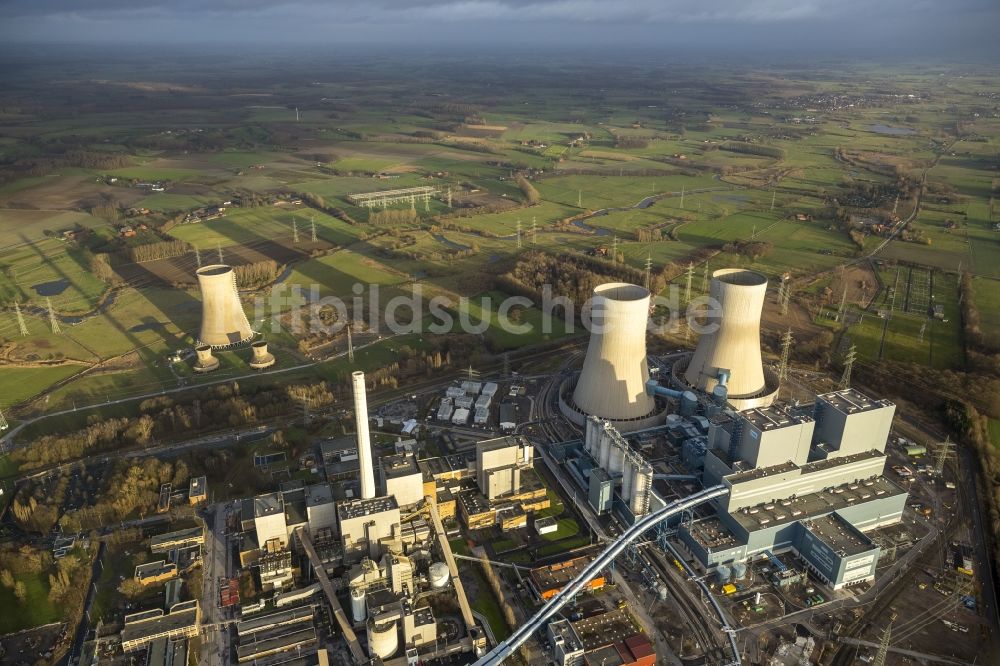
612	383
205	362
261	357
728	353
223	323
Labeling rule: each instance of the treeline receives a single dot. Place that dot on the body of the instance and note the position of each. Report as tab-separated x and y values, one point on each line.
256	274
531	195
319	203
752	149
40	166
570	276
162	417
636	142
472	211
648	234
156	251
393	216
753	250
100	266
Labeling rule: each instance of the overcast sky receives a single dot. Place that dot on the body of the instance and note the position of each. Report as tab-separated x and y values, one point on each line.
907	27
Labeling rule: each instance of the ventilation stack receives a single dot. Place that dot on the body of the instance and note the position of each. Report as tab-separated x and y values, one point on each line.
261	357
205	362
367	472
730	356
612	384
223	322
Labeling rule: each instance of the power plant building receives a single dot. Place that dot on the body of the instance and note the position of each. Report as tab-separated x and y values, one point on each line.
223	322
368	527
402	479
783	496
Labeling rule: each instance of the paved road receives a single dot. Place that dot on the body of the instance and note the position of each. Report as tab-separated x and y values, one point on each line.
215	565
84	627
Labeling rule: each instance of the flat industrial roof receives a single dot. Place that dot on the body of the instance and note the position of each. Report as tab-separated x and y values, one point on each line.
318	493
366	507
849	401
712	534
557	575
844	538
193	534
769	514
266	505
399	464
771	417
156	625
254	624
607	628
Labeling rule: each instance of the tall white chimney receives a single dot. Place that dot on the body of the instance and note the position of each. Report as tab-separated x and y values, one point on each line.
364	440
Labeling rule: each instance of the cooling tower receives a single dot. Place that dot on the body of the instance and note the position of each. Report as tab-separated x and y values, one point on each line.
732	352
613	379
261	357
223	322
205	361
367	472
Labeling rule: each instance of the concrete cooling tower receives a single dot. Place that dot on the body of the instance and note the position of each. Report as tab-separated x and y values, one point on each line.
261	357
730	356
223	322
613	379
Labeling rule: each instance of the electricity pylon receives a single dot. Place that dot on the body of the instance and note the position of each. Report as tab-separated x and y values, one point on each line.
649	268
883	647
53	321
849	358
773	195
682	198
788	298
687	283
519	234
350	343
534	231
843	303
449	196
312	223
942	451
614	249
221	260
20	320
704	280
295	231
579	198
197	257
786	347
3	422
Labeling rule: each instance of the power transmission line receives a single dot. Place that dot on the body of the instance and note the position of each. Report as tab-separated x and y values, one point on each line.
53	320
849	358
687	284
20	320
786	347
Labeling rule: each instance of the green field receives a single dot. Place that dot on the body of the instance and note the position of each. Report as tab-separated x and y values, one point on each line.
252	226
36	609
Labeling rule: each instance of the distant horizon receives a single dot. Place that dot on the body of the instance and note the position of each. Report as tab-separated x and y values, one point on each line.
887	28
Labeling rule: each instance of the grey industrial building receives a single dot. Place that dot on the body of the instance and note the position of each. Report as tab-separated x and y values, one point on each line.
810	483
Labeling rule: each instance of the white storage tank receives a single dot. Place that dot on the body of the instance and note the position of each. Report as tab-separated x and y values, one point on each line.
383	639
438	575
358	610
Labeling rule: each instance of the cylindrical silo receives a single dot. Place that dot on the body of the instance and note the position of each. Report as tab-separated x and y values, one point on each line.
735	343
261	357
592	435
617	461
723	573
438	575
739	570
604	457
642	480
366	471
223	322
627	474
205	362
358	610
612	383
383	638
